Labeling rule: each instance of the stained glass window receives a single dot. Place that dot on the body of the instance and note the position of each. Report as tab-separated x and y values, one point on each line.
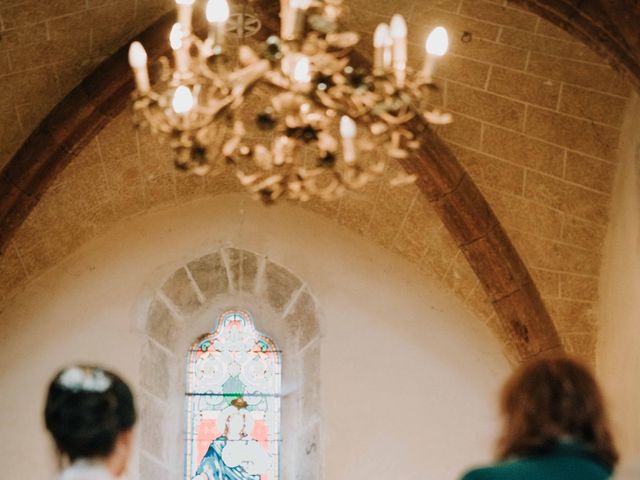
233	403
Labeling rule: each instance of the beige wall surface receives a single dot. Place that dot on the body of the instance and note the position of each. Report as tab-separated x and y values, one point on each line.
408	377
618	355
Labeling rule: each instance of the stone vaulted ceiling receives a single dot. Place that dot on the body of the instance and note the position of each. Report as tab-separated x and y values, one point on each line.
537	118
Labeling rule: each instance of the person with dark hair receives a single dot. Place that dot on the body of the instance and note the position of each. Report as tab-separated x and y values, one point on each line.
90	413
555	426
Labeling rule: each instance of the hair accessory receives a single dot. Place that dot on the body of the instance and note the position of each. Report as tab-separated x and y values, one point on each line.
82	379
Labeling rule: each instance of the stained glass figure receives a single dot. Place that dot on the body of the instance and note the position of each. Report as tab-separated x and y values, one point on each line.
233	403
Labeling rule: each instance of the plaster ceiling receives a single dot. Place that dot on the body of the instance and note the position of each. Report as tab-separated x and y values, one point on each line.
537	124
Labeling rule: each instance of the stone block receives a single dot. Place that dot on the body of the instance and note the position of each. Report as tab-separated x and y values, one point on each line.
548	29
154	370
549	46
328	209
438	256
463	131
180	291
280	285
590	172
524	87
462	69
581	135
417	230
243	269
548	282
583	234
499	14
460	279
303	319
311	379
516	212
485	106
568	198
160	188
479	303
161	326
523	150
151	470
152	425
210	273
403	7
118	140
571	316
579	287
549	255
587	75
426	18
356	212
189	186
591	105
12	272
310	467
490	171
583	345
481	50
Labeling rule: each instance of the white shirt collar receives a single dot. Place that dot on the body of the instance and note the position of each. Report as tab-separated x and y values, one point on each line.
86	470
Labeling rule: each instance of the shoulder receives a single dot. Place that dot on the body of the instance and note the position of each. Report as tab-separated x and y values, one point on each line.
483	473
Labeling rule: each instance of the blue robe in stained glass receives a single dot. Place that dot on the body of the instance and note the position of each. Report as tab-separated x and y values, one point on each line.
213	466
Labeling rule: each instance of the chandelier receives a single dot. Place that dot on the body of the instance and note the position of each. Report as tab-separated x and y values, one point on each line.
326	127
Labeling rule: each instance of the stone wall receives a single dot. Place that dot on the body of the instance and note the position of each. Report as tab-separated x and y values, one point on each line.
400	359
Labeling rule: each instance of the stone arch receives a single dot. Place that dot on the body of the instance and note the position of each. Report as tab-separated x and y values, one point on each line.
188	304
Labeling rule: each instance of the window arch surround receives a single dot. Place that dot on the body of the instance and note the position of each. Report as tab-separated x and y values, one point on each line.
184	304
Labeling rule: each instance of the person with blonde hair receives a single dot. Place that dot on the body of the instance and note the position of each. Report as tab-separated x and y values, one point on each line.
554	426
90	414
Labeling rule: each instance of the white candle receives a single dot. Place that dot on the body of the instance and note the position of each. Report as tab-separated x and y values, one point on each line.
398	29
217	15
294	18
301	73
382	49
185	8
348	134
180	53
182	102
138	62
436	46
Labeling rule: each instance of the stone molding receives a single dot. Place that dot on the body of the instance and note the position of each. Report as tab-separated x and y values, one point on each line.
185	307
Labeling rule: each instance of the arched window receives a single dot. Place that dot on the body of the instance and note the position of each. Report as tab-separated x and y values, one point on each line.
233	403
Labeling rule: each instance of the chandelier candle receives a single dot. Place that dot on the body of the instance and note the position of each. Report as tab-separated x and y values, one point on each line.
138	62
436	46
181	54
217	15
301	75
382	49
348	134
182	100
398	29
294	19
185	9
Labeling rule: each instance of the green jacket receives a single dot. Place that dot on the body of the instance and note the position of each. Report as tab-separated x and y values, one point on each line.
568	461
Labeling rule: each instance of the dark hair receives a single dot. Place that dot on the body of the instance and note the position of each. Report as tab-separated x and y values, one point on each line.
87	407
551	398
